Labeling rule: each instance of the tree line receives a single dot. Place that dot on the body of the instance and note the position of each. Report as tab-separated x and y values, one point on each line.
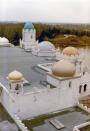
13	32
51	33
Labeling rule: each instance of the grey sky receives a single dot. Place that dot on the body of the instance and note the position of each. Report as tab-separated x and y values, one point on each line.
72	11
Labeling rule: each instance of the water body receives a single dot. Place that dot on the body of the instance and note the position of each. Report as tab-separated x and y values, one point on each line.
86	52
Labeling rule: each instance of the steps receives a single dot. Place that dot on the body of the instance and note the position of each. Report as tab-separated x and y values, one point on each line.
58	125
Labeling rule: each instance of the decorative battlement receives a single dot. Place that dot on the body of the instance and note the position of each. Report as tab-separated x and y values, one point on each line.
72	58
83	107
86	73
19	123
86	69
29	31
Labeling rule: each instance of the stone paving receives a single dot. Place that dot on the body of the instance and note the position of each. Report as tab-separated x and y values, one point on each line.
69	118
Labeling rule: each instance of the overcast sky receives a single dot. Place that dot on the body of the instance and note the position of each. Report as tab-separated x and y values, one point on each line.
63	11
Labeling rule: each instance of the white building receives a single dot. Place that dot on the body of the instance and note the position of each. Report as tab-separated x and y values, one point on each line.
71	54
66	84
45	48
44	101
28	37
63	90
4	42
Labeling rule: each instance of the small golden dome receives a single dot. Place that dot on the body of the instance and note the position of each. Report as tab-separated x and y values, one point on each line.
70	51
63	68
15	75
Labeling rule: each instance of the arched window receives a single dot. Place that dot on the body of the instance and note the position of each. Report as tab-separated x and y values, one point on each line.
31	36
23	46
80	88
18	87
75	63
9	84
70	84
85	87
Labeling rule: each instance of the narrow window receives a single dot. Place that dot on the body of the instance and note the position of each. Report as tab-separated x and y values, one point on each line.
9	84
70	84
85	87
17	87
31	36
80	89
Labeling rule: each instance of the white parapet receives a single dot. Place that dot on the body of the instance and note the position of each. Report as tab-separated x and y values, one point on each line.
83	107
19	123
60	56
76	128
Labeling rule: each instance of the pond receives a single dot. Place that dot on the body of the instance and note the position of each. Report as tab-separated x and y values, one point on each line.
86	51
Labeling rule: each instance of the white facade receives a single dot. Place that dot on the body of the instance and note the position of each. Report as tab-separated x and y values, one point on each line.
84	88
65	95
77	60
28	39
41	102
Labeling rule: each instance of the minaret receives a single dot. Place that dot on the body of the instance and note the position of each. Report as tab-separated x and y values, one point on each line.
28	37
72	55
15	82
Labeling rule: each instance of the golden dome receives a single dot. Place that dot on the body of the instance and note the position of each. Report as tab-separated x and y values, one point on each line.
15	75
70	51
63	68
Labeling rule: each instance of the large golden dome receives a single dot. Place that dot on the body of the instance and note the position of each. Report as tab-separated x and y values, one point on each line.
63	68
70	51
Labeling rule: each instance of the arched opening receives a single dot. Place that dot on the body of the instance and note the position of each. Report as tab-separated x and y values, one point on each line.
10	85
18	87
85	87
23	46
70	84
75	63
80	88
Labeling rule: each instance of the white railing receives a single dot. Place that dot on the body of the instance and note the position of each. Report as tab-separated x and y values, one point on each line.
76	128
46	66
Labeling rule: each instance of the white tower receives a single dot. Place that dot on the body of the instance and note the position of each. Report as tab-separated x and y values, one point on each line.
15	82
72	55
28	37
63	77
